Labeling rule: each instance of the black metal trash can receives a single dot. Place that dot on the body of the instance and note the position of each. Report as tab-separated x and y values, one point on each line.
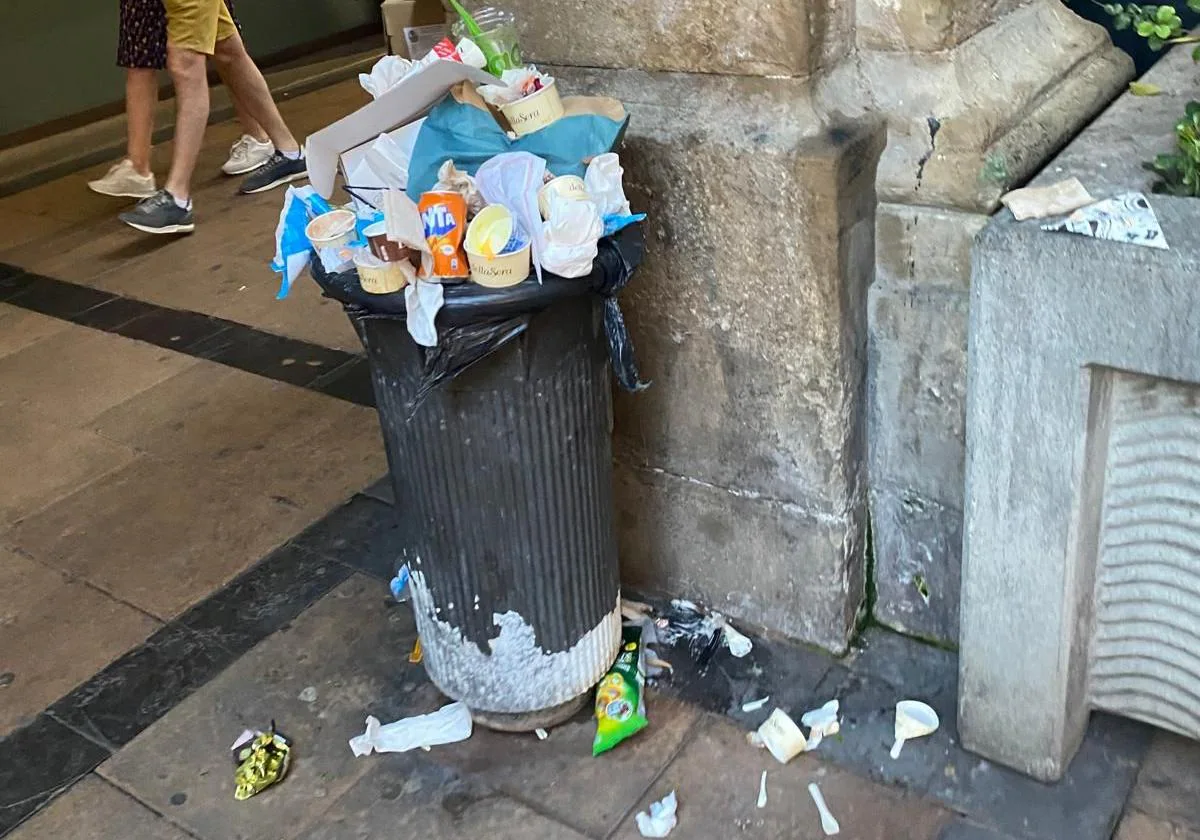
503	481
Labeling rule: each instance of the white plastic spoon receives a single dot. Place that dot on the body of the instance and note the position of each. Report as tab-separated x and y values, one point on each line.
914	719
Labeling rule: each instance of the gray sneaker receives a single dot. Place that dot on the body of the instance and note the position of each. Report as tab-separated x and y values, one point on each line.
159	214
276	171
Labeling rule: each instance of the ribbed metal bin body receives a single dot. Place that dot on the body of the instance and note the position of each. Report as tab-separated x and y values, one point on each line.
503	480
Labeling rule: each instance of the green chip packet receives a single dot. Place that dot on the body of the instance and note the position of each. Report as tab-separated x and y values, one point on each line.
620	706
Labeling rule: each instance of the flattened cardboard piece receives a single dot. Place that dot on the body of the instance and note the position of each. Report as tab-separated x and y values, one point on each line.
411	99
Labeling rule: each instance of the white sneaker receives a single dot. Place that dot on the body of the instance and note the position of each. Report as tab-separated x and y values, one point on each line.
123	180
247	154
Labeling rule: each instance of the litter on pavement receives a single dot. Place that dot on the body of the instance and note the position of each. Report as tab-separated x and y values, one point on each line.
448	725
1127	218
755	705
821	722
620	696
1053	200
262	760
762	791
914	719
781	736
660	819
828	823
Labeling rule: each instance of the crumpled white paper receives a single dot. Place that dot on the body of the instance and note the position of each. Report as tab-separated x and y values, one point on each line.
822	723
471	55
661	819
452	179
603	182
514	84
739	643
513	179
422	301
385	75
403	224
447	725
571	233
1124	218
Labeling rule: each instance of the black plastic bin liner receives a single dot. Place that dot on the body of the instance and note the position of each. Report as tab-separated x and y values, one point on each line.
475	321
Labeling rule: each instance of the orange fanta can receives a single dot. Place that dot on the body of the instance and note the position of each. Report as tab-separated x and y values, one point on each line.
444	215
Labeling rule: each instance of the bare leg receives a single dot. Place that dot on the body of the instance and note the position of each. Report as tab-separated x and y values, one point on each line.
249	124
191	116
247	85
141	96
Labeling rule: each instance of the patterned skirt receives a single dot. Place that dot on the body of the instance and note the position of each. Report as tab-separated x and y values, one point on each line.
142	43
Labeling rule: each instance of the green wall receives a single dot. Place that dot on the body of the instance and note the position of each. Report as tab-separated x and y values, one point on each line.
58	57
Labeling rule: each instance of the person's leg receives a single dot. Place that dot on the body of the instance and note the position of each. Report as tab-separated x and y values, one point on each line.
141	98
247	86
250	126
188	72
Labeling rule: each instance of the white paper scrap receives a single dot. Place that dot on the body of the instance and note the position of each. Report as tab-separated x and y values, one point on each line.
755	705
661	818
448	725
1126	218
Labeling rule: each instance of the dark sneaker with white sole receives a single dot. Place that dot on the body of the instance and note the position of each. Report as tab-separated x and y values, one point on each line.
275	172
159	214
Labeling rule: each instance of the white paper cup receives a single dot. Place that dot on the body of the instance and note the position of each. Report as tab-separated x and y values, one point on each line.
567	186
331	230
500	271
534	112
378	277
781	735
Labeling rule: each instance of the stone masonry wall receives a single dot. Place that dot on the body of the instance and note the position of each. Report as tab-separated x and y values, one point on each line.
802	308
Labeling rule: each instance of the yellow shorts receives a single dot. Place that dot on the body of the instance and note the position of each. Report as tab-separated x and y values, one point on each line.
197	25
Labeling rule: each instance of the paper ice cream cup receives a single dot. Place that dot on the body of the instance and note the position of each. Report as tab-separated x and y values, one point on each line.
534	112
378	277
490	230
382	247
500	271
567	186
331	230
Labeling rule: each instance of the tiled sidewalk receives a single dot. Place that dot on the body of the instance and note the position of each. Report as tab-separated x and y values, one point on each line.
169	430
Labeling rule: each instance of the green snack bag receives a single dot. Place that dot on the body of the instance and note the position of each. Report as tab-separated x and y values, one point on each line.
620	709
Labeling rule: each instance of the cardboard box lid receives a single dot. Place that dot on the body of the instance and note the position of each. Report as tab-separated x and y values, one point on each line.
413	97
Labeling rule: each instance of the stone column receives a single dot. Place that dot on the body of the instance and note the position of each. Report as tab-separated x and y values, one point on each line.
756	130
978	95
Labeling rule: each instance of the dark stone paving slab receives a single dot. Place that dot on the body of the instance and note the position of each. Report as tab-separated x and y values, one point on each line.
382	490
264	599
62	756
716	779
137	689
61	300
1084	806
961	829
365	534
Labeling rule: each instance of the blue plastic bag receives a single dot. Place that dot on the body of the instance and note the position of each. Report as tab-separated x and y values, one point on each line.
292	248
469	135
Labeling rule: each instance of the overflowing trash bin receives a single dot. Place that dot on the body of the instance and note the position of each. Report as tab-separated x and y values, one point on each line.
479	260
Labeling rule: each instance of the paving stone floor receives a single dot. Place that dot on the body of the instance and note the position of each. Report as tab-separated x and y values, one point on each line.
179	561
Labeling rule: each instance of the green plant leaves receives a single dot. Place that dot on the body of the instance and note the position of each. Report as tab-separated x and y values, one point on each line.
1179	172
